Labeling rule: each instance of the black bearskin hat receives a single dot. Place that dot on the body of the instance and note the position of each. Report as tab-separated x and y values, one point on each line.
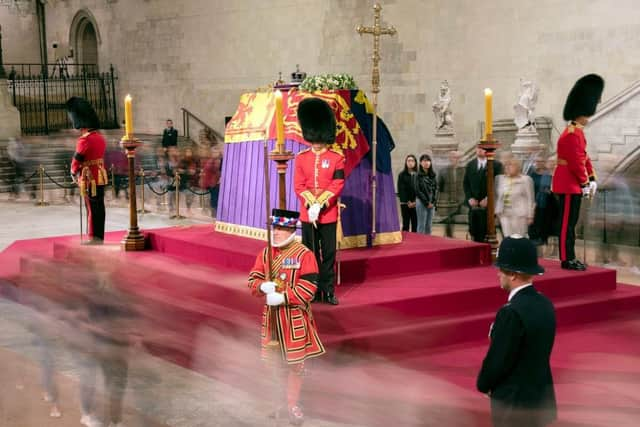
317	121
584	97
82	114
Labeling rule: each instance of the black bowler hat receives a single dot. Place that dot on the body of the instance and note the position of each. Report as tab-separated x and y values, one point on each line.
284	218
583	97
317	121
518	254
82	114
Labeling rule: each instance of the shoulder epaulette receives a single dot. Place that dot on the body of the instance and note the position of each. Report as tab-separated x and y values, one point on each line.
337	151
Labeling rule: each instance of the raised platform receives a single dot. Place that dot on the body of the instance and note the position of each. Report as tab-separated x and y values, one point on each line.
410	304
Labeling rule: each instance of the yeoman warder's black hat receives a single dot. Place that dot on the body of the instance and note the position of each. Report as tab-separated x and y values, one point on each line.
583	97
284	218
82	114
518	254
317	121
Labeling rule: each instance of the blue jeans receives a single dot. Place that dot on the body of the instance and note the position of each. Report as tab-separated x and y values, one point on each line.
425	217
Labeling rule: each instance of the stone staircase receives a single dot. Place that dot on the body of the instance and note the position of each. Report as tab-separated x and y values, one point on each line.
54	153
614	133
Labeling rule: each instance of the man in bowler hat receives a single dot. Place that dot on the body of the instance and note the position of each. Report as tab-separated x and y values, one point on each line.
516	373
574	177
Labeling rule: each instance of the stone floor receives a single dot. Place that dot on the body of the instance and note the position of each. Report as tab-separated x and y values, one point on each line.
159	393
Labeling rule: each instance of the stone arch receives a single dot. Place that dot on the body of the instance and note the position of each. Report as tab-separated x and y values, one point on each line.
84	38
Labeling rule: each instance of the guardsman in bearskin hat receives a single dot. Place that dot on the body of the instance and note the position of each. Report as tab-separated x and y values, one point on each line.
87	165
288	327
318	182
516	372
574	176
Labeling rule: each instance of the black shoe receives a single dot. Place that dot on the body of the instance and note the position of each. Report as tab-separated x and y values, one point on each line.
580	263
573	265
92	242
318	297
331	299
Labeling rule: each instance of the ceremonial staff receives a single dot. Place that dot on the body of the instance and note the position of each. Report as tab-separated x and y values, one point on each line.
376	31
273	315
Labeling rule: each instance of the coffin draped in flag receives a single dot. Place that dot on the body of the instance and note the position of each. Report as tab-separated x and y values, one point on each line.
241	207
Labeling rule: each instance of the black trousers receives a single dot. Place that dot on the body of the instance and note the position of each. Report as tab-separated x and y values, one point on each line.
95	213
569	208
478	224
322	241
409	218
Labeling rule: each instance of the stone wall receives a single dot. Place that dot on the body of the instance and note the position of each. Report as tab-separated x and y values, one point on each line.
20	37
202	54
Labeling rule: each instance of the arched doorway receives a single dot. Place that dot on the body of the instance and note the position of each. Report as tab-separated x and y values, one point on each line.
84	39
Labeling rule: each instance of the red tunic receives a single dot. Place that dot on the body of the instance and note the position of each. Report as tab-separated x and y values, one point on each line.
319	178
573	170
294	270
88	161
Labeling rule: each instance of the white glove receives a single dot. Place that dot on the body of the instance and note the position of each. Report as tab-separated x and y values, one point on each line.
268	287
275	298
314	212
586	191
593	187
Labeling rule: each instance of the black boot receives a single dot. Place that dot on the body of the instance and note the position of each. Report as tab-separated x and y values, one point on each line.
574	264
331	299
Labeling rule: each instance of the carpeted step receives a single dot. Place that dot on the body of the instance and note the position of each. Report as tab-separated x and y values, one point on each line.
417	254
421	335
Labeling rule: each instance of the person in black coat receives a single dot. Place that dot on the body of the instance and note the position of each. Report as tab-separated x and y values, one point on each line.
169	136
407	193
475	193
516	373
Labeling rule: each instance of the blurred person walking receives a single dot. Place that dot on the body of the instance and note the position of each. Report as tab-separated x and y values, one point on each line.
407	193
17	154
516	373
515	203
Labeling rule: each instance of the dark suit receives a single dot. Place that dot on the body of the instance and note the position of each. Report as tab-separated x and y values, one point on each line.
475	187
516	369
169	138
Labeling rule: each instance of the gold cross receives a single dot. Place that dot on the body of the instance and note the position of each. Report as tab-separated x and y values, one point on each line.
376	31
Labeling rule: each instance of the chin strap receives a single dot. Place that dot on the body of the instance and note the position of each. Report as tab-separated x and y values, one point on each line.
285	242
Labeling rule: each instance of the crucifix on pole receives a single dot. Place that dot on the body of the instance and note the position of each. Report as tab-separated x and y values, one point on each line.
376	31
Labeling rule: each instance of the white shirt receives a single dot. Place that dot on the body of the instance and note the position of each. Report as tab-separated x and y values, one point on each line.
482	163
516	290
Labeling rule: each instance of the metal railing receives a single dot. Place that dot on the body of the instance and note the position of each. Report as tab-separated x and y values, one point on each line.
41	99
59	69
188	118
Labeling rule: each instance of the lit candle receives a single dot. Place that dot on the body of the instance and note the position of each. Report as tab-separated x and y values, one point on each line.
488	113
128	117
279	123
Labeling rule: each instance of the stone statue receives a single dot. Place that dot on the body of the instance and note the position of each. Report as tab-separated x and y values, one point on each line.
526	105
441	110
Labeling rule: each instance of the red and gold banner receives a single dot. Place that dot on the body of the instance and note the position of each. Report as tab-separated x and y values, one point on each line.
255	116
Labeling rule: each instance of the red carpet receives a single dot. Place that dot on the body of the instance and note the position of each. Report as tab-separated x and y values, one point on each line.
424	307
